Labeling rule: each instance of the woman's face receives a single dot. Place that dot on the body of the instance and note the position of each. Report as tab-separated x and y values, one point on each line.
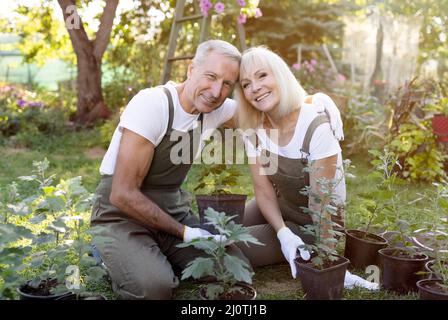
260	88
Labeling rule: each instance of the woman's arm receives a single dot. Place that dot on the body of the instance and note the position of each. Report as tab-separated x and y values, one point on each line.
266	196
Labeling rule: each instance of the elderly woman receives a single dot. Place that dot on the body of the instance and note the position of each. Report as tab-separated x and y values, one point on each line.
287	124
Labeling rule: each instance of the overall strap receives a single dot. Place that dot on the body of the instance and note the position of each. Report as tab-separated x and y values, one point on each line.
171	110
321	119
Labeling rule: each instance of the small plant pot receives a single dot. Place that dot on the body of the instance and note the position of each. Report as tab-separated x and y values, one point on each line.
231	204
431	273
27	292
322	284
361	248
400	271
429	289
440	127
247	293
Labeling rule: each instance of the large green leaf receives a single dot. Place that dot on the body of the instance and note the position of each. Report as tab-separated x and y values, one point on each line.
198	268
238	268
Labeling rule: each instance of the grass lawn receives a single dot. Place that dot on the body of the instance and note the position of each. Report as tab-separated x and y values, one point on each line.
77	154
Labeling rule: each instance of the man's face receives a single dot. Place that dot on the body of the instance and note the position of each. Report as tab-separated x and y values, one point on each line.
211	82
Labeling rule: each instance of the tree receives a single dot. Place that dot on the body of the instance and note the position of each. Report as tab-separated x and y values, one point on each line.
89	54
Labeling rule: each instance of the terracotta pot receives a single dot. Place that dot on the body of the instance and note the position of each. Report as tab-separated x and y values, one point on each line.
361	248
440	127
429	290
399	270
249	293
231	204
322	284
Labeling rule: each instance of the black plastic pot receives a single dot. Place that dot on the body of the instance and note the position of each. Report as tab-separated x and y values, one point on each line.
322	284
231	204
399	270
248	293
361	248
27	292
429	290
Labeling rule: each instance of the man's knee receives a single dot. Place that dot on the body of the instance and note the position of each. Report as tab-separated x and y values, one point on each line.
148	288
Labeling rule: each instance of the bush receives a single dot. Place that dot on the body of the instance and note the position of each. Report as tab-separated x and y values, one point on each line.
30	111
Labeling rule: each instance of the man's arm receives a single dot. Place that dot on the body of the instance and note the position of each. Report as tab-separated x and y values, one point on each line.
133	162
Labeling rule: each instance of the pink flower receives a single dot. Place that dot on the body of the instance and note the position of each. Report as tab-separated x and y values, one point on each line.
258	13
219	7
242	3
340	78
296	66
205	6
242	18
313	62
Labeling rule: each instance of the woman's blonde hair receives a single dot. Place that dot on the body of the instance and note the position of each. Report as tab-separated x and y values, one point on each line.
290	91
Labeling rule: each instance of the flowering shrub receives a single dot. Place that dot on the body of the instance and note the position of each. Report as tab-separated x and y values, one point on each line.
243	8
22	110
317	77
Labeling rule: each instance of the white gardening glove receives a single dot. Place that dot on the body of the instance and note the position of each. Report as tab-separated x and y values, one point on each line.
352	281
195	233
324	103
289	244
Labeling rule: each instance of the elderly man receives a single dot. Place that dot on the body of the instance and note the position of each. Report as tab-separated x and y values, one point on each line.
139	200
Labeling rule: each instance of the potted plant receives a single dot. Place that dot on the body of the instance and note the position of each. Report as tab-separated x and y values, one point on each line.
61	243
436	286
322	277
215	182
440	120
232	275
362	246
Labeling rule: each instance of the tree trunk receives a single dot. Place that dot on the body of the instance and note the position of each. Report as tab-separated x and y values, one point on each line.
90	106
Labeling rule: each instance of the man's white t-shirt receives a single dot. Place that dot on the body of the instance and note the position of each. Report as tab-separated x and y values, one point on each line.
147	114
323	144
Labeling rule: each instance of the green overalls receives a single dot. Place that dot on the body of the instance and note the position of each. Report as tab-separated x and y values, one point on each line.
288	180
140	260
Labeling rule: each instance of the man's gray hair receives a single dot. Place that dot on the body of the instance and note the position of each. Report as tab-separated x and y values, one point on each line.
219	46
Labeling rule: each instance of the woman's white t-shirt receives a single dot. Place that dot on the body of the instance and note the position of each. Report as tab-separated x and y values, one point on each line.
323	144
147	114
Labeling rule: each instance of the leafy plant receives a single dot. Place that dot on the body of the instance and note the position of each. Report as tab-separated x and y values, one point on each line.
59	240
417	149
365	119
12	252
441	107
323	228
217	178
227	269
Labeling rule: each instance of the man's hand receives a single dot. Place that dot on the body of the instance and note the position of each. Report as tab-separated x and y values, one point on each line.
325	104
289	244
195	233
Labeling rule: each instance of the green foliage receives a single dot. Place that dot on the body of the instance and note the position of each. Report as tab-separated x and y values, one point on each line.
53	223
227	269
380	204
440	107
107	129
323	228
30	115
217	179
417	148
364	123
285	24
